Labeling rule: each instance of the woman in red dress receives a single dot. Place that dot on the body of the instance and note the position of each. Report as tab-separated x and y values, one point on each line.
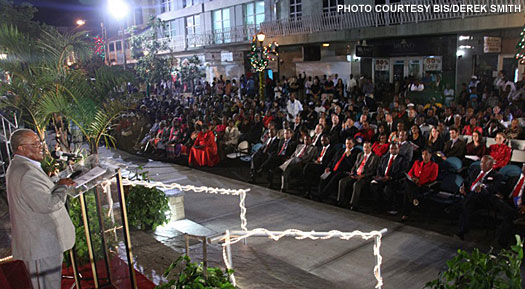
380	147
204	150
500	151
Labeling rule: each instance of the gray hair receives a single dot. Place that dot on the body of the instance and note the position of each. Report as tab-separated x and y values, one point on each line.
18	136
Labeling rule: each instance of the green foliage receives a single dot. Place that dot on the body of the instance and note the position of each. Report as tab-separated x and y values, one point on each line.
45	85
75	214
482	271
147	207
146	47
190	69
191	276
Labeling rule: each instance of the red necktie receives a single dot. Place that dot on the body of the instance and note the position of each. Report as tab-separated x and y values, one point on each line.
321	155
518	187
389	165
362	165
283	148
267	145
477	180
302	152
339	162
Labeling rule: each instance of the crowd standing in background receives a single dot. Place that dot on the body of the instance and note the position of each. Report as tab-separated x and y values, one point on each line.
335	141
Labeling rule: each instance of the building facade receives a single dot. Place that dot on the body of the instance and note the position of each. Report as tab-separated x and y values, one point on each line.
314	38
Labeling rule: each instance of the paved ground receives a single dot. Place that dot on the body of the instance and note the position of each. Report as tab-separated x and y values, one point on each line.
411	256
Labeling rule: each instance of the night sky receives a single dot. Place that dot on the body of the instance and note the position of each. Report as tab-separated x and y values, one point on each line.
66	12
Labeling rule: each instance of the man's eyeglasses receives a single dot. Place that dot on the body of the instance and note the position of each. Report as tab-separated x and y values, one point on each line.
36	144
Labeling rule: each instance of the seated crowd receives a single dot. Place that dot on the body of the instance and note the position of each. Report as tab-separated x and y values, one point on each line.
336	143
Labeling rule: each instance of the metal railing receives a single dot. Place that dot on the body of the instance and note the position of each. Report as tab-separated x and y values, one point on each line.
331	22
8	127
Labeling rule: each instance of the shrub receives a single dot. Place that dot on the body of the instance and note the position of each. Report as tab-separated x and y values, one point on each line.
192	276
147	207
482	271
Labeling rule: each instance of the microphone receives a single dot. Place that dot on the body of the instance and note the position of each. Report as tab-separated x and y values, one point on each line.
59	154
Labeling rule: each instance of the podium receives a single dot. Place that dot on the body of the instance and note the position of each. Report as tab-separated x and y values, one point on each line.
102	248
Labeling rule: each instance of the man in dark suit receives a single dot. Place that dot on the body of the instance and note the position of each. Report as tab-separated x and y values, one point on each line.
509	204
405	148
303	154
348	130
479	189
390	171
318	132
454	147
313	170
339	167
362	173
335	129
268	149
296	127
285	150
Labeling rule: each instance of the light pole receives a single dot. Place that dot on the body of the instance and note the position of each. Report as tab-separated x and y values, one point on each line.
260	38
119	9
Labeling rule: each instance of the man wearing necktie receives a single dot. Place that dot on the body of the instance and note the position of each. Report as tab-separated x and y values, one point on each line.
303	154
479	189
315	168
338	168
268	149
362	173
318	132
285	150
390	171
509	204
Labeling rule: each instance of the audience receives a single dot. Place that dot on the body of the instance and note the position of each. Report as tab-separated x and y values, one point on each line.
318	133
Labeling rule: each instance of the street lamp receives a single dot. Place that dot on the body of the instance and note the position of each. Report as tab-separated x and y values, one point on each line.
80	22
119	9
260	37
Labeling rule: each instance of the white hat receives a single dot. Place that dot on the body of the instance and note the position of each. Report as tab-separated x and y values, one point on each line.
474	77
410	105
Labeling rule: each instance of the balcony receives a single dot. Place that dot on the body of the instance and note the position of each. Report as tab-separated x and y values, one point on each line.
333	22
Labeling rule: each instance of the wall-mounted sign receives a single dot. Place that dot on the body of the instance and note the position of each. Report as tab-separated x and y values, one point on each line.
382	64
226	56
433	63
491	44
363	51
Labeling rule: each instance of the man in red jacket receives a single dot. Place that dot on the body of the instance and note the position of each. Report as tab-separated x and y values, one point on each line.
420	175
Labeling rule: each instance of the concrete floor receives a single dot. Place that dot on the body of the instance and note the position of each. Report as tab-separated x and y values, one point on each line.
411	256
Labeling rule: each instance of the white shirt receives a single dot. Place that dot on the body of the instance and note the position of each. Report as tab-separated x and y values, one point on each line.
325	148
35	163
391	157
481	180
294	108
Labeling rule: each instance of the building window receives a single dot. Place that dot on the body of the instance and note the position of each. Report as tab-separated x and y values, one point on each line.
112	47
193	27
296	9
254	13
174	28
330	6
119	45
138	16
221	25
189	3
165	6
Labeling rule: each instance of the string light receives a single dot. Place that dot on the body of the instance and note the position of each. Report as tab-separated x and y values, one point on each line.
99	47
521	44
259	61
233	237
202	189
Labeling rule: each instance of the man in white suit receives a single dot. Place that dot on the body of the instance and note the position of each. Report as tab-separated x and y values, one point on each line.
40	225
